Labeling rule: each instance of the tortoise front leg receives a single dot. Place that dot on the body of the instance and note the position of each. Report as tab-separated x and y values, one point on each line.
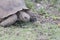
10	20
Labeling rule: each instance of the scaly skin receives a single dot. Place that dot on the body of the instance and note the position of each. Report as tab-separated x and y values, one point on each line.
9	21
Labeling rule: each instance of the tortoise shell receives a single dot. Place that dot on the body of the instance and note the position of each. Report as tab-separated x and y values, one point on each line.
9	7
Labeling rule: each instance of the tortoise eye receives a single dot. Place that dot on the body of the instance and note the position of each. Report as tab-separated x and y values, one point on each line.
25	17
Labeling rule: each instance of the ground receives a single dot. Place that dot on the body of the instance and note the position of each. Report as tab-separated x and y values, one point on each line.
46	28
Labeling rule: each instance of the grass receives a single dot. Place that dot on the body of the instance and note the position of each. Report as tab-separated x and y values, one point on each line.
30	33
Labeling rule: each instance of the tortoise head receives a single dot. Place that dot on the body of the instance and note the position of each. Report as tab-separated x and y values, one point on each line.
23	16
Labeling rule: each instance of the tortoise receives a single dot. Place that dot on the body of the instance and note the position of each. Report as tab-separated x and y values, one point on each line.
14	10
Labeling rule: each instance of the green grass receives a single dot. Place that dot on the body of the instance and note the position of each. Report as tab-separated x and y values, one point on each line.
17	33
30	32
